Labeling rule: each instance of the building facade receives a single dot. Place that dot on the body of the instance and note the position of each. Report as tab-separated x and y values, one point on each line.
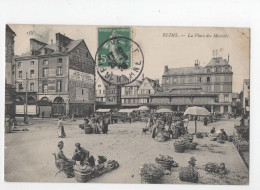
214	80
129	94
9	72
246	96
62	75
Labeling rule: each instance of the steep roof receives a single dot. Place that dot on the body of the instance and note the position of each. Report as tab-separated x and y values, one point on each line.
135	83
68	48
183	70
217	61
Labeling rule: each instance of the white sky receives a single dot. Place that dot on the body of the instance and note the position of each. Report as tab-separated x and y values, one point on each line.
158	50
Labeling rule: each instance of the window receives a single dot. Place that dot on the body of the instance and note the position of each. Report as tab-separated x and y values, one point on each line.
99	91
217	78
200	80
32	63
148	91
77	51
208	79
226	69
31	73
20	74
45	51
60	49
99	85
45	72
218	69
226	99
45	88
45	62
20	86
82	92
19	64
31	87
58	86
208	70
59	60
216	99
59	71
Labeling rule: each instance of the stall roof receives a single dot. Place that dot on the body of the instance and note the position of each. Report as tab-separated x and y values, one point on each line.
103	110
126	110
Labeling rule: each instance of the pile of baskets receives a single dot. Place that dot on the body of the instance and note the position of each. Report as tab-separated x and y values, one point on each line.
166	162
215	168
181	146
88	130
111	165
82	173
162	136
151	173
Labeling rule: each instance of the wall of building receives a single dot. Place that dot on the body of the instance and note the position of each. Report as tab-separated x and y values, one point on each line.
25	66
53	76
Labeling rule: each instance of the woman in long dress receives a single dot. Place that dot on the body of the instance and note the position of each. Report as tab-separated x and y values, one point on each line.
61	131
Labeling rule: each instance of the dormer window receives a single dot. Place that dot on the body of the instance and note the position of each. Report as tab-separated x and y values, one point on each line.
45	51
208	70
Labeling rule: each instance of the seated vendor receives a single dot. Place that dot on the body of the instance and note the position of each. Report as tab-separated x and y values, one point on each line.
83	156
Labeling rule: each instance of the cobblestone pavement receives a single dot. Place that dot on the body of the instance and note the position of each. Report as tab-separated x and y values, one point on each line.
28	154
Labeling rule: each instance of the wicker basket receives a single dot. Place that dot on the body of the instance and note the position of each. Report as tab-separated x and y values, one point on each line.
179	147
88	130
167	165
69	171
82	177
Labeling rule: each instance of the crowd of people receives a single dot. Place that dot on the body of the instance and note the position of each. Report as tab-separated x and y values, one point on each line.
80	155
174	125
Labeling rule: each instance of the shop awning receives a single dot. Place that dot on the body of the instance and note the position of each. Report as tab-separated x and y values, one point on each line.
126	110
103	110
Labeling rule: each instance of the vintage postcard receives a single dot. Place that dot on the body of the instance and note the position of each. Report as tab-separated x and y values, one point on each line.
127	104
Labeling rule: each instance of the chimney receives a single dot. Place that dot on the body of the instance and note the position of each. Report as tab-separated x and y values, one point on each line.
196	65
166	69
62	40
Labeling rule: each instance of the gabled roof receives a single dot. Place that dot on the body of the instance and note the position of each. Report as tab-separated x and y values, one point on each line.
135	83
217	61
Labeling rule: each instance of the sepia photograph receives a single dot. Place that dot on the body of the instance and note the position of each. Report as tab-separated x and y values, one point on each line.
127	104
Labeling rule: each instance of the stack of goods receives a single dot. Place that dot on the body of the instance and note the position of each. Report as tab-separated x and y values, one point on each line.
188	138
98	170
191	146
151	173
215	168
88	129
82	173
199	135
166	162
162	136
111	165
180	146
189	173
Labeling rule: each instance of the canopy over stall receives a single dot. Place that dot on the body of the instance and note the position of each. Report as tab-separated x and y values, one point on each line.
126	110
143	108
164	110
103	110
196	111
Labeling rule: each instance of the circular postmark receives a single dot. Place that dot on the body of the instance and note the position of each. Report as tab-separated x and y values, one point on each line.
119	60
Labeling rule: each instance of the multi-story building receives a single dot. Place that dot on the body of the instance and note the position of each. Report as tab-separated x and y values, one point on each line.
147	88
9	72
246	96
63	78
210	85
113	96
129	94
100	90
